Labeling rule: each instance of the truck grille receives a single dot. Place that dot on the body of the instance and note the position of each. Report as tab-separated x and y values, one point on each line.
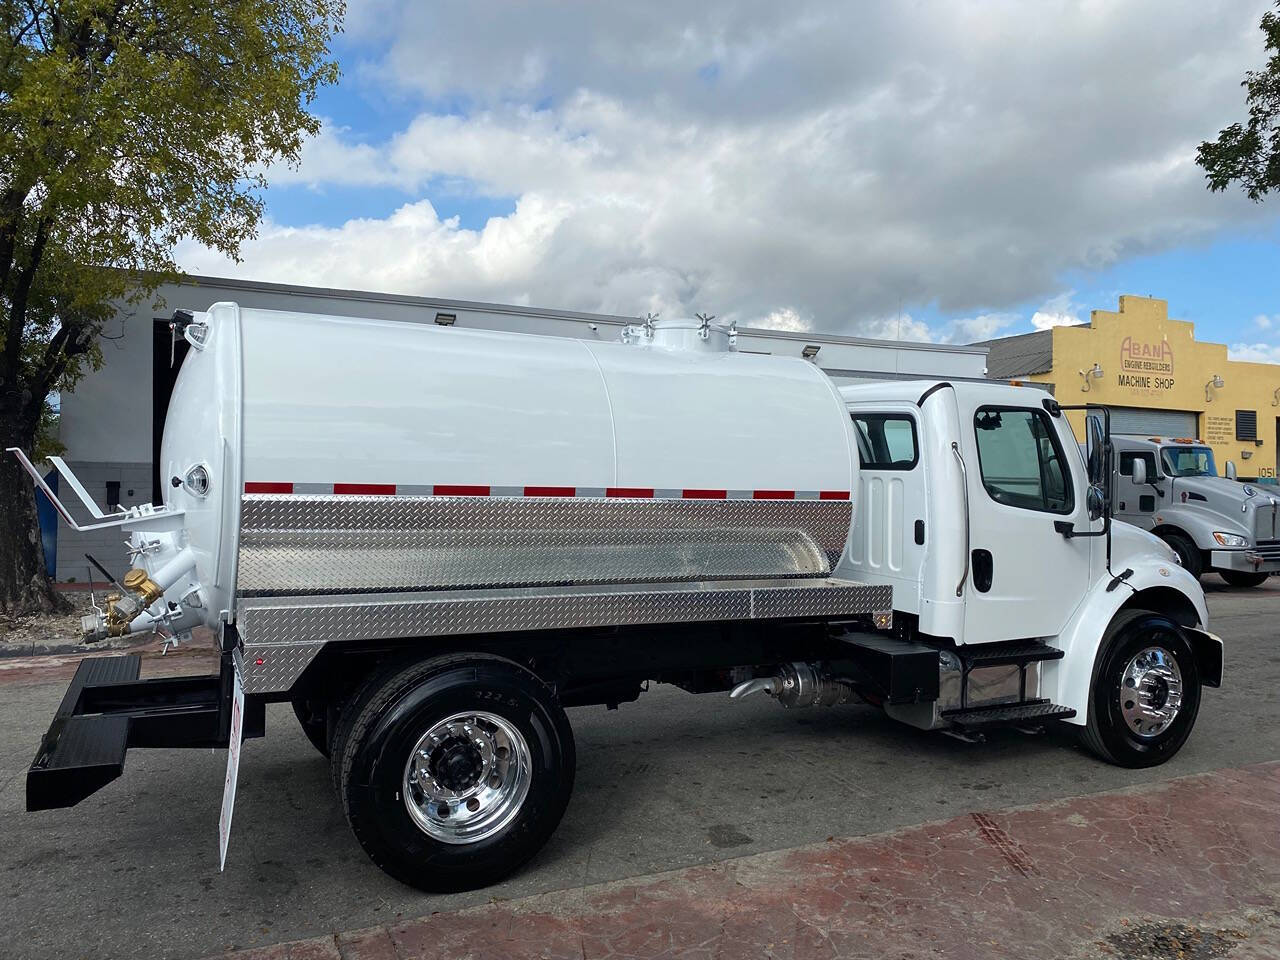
1266	522
1270	549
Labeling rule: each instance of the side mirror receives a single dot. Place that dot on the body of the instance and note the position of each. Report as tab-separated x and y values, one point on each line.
1095	450
1231	469
1140	472
1096	501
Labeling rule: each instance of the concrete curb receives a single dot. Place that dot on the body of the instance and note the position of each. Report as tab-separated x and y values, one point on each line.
37	649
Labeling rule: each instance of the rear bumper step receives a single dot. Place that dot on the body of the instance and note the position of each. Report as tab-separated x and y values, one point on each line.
1007	715
107	709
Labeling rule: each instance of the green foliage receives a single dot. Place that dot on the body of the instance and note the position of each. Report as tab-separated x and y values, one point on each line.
125	127
1250	154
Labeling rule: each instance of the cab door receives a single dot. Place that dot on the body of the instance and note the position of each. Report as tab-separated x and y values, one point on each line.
889	537
1025	475
1136	504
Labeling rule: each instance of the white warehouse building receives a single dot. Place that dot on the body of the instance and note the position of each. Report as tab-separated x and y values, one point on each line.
112	422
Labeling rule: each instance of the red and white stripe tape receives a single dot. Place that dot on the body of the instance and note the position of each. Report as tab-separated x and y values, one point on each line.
472	490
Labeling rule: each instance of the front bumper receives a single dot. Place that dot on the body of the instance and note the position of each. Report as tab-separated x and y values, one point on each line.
1244	561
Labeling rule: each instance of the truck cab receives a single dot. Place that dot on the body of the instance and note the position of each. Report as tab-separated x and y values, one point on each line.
1171	487
994	529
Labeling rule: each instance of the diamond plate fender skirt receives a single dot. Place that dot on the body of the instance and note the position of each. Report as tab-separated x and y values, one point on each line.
282	635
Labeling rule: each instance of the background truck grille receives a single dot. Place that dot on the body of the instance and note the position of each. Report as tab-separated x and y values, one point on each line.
1270	549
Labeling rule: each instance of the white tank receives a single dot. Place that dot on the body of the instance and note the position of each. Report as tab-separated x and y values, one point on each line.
323	455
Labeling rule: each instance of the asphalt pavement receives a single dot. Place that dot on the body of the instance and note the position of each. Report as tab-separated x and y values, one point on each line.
669	782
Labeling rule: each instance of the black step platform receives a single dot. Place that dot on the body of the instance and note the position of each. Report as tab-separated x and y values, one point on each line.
1015	651
80	755
1008	715
107	710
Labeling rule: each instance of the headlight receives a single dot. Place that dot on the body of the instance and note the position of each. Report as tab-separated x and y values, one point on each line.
1230	539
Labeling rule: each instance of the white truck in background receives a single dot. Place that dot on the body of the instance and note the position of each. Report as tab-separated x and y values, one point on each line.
1171	487
432	541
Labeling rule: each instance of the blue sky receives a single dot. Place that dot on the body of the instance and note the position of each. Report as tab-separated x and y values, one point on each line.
941	170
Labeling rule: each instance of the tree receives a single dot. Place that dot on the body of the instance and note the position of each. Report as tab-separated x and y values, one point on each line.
125	127
1250	155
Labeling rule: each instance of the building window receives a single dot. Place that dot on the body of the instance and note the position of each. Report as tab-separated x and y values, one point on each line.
1246	424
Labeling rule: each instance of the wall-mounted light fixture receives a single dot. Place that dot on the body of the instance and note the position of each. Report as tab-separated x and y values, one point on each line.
1246	454
446	319
1217	383
810	351
1275	398
1095	373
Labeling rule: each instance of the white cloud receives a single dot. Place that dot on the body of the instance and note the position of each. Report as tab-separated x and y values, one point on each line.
815	162
1264	322
1255	352
904	327
1057	311
985	326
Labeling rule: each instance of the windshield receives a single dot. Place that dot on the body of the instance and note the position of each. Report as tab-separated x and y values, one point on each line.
1188	462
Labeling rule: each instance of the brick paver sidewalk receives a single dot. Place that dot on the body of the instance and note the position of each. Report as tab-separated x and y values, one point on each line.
1186	869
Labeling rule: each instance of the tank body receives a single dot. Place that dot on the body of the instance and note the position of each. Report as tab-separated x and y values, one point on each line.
351	455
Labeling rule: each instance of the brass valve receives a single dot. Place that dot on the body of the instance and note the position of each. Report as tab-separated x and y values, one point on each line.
137	581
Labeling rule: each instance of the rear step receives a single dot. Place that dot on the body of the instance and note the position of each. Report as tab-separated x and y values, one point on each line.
1007	715
107	709
82	754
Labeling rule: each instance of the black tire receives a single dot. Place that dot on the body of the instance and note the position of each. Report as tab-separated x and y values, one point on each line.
1238	578
1107	733
313	724
1189	554
380	728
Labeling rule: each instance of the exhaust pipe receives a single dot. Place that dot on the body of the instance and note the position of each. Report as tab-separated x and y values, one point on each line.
798	685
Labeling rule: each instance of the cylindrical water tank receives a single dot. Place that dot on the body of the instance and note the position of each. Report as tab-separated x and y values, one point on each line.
349	455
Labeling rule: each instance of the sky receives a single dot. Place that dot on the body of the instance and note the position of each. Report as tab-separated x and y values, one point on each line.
944	170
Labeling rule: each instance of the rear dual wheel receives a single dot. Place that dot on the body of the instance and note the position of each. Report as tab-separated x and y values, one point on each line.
454	771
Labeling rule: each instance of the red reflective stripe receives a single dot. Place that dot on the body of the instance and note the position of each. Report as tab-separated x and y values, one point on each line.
639	492
460	490
705	494
550	491
833	494
261	486
367	489
774	495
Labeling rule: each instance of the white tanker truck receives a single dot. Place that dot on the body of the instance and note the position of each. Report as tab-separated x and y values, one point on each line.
432	540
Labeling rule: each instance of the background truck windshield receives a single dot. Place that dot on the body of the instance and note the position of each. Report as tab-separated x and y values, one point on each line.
1188	461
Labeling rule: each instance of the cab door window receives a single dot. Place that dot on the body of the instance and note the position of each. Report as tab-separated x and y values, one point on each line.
1021	460
886	441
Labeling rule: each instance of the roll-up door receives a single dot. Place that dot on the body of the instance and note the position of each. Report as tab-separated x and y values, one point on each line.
1155	423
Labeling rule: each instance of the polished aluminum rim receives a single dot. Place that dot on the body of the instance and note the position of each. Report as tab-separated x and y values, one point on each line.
1151	692
467	777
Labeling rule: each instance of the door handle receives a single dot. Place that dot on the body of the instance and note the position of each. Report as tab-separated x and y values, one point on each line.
983	570
964	485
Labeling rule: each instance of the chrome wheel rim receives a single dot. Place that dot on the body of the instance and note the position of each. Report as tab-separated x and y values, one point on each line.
1151	692
467	777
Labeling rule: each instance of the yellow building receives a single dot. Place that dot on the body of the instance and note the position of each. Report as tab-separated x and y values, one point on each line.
1157	379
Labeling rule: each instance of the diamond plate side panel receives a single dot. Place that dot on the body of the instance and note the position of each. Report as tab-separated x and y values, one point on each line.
851	600
426	618
287	633
329	544
282	664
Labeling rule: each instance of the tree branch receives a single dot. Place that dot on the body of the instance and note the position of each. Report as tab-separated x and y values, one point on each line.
18	302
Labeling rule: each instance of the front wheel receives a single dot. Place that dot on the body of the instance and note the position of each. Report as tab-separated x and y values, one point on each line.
454	771
1146	692
1189	555
1237	578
